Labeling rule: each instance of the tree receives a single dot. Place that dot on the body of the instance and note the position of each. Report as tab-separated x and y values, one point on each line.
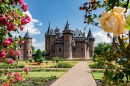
53	60
100	48
120	52
30	61
62	61
33	49
57	60
95	57
38	56
44	51
46	63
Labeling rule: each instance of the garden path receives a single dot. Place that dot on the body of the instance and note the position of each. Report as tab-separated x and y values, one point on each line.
79	75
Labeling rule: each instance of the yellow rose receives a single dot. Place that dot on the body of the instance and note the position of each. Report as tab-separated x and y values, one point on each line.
114	22
92	0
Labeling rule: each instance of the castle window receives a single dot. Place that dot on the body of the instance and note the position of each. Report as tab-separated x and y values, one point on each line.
59	45
75	49
76	43
60	49
27	52
30	52
81	43
81	49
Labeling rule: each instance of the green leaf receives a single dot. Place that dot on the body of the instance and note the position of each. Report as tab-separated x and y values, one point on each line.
20	13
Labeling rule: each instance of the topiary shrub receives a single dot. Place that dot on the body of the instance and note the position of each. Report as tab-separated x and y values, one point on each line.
65	65
21	66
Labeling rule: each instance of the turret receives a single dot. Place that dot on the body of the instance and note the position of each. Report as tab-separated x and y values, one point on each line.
27	46
91	40
47	39
67	32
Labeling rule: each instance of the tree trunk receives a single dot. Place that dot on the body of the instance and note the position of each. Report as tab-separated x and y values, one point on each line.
62	64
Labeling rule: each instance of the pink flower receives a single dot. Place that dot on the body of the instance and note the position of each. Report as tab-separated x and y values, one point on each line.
18	78
9	74
11	27
16	74
21	28
15	14
2	54
25	7
8	41
3	16
21	1
25	19
12	80
21	42
9	17
6	84
18	53
12	52
26	69
10	61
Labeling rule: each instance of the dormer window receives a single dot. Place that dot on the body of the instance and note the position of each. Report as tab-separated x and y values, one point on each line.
79	34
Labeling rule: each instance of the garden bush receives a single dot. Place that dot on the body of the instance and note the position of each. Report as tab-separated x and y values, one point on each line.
97	65
65	65
21	66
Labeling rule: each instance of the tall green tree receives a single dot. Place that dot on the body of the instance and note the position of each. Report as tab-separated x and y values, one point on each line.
38	56
33	49
99	49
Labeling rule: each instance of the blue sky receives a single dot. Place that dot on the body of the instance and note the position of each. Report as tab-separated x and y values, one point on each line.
57	12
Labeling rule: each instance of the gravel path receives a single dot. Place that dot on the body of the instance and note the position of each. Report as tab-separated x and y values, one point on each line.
79	75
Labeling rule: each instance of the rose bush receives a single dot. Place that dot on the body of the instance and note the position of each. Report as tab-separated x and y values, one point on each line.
12	19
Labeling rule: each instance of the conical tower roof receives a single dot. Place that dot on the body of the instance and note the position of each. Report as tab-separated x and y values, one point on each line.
27	35
49	29
67	27
90	35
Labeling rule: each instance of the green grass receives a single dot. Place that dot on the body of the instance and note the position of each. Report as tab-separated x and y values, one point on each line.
41	74
97	75
45	74
44	65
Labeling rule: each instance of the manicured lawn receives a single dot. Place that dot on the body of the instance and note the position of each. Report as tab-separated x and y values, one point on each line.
45	74
97	75
42	74
90	62
50	63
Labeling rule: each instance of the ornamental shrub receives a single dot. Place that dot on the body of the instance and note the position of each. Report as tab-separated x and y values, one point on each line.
38	56
65	65
21	66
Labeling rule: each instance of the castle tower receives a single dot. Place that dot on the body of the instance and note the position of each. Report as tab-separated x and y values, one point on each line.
67	41
47	39
27	46
91	40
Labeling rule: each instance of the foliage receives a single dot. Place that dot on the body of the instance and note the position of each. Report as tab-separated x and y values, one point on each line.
97	65
119	51
100	48
12	19
65	65
21	66
38	56
95	57
33	49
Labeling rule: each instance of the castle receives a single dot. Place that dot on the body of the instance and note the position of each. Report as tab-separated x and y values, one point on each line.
69	44
25	48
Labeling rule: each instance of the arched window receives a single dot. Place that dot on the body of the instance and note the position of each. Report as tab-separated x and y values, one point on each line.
30	52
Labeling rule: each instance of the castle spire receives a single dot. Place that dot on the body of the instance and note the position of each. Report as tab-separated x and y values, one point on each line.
67	27
27	35
49	29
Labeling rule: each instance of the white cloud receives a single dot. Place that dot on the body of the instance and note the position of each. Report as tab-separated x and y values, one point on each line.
40	45
39	24
101	36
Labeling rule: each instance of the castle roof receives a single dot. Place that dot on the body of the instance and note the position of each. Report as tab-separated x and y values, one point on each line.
49	29
60	35
90	35
27	35
67	27
77	33
53	32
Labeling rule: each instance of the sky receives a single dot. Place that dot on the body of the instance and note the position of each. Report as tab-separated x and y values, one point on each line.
58	12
